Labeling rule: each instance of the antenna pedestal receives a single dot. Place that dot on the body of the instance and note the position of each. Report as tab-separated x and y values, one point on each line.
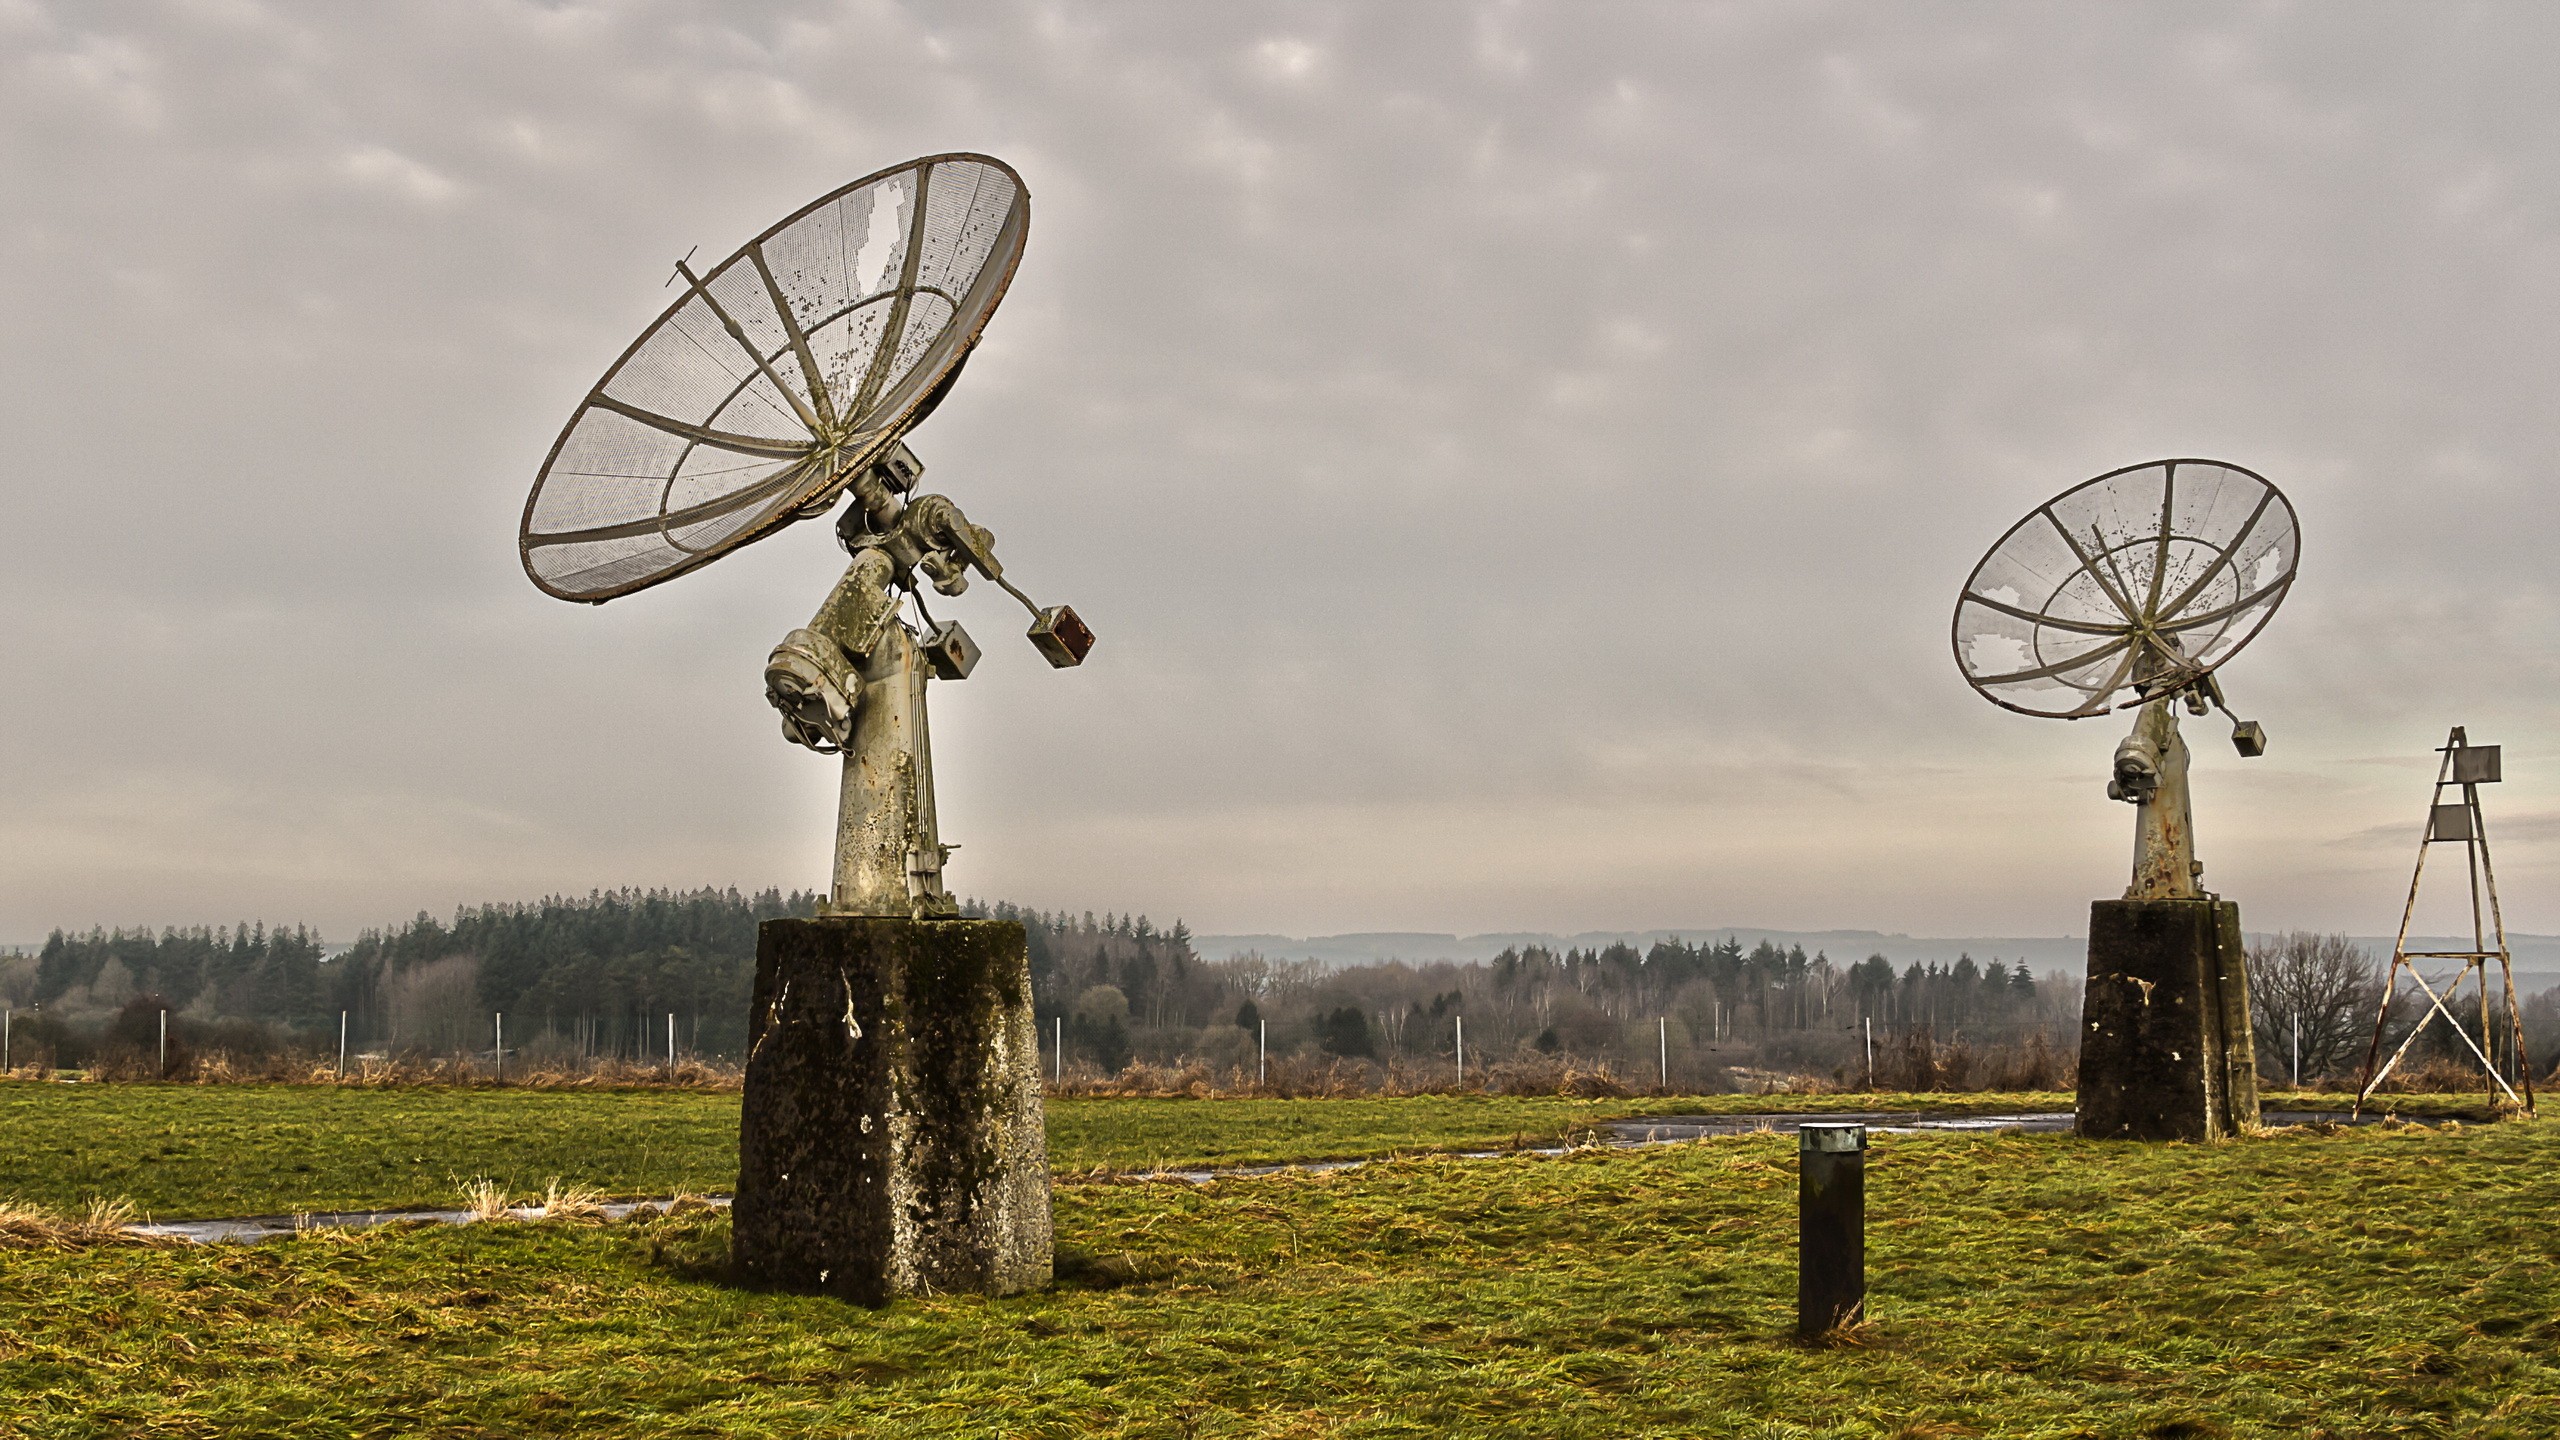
888	852
853	680
891	1142
2151	772
2165	1045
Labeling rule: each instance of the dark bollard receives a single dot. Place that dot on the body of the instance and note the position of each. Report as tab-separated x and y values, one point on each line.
1831	1227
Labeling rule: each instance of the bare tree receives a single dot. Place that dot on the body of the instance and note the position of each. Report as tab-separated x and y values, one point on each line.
1391	1022
436	1006
2325	984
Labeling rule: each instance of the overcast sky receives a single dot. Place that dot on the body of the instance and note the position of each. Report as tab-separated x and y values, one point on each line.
1519	460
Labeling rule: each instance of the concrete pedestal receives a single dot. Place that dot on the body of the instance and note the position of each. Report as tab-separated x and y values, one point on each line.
892	1141
2165	1048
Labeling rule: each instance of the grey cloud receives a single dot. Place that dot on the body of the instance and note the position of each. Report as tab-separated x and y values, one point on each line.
1519	462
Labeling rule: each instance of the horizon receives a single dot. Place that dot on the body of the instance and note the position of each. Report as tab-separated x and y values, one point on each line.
1422	947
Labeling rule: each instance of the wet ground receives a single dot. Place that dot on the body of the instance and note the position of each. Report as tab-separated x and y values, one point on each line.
1663	1129
1650	1130
276	1227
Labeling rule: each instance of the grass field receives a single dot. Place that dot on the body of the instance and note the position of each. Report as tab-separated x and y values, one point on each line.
191	1151
2395	1282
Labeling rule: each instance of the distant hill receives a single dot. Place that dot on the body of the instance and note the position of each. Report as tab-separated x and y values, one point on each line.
2537	957
1368	948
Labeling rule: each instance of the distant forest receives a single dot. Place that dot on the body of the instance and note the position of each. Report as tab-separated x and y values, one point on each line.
594	976
600	976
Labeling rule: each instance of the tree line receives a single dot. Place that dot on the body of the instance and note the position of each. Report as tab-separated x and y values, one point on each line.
1116	988
239	970
601	974
597	975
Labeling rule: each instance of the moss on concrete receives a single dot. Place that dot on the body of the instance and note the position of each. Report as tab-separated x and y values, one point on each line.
891	1139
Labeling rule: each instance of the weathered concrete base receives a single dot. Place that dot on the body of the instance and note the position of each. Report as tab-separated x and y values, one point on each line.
2165	1048
892	1141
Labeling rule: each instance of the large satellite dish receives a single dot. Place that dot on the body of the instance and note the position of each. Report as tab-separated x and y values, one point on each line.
2126	588
784	372
787	376
2128	591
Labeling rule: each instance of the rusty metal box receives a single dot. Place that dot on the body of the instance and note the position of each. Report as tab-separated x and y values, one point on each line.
950	651
1061	636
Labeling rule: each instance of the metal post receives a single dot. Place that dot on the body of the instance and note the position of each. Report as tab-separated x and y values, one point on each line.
1666	1054
164	1044
502	1046
1058	1050
1262	1056
1831	1227
2516	1053
342	1044
1871	1052
671	1039
1462	1052
2297	1048
6	1017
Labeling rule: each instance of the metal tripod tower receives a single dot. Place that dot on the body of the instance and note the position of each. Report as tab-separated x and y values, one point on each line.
2467	767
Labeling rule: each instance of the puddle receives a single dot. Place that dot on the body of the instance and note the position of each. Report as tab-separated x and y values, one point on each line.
1668	1129
252	1228
1623	1134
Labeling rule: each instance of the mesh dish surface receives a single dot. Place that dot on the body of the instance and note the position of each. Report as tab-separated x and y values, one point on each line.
2128	585
796	361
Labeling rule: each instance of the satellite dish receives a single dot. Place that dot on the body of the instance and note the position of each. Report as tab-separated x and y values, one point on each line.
787	375
2131	590
2126	588
784	372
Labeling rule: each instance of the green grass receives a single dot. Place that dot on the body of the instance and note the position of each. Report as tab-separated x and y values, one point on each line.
181	1151
185	1151
2393	1282
2475	1105
1163	1134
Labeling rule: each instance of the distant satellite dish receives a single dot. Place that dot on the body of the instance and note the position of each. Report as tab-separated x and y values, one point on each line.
2127	588
783	374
